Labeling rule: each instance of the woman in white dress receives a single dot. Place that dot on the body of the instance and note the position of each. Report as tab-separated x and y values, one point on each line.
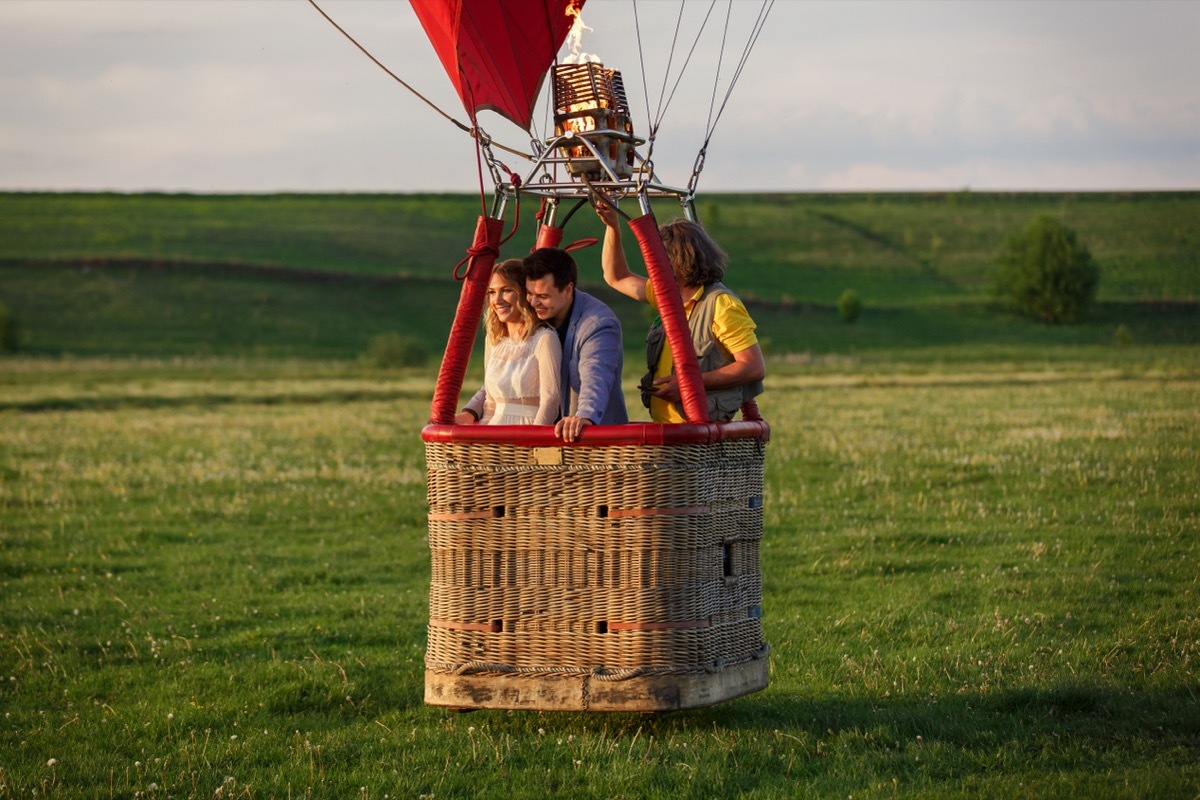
521	379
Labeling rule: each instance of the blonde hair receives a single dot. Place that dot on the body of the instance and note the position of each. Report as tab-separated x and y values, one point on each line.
512	271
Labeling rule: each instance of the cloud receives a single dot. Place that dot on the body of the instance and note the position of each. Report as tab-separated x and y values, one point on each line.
233	96
1013	175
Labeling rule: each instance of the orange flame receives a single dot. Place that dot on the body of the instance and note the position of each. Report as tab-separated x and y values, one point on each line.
575	37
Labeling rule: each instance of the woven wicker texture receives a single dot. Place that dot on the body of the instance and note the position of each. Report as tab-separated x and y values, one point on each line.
611	560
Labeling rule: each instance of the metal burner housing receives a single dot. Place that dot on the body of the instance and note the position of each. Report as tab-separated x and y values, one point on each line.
592	115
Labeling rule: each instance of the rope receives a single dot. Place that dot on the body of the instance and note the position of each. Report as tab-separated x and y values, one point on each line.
695	43
474	252
665	98
637	29
483	151
580	244
759	24
483	141
395	77
469	130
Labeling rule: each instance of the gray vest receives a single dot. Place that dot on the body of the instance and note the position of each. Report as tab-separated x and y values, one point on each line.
722	403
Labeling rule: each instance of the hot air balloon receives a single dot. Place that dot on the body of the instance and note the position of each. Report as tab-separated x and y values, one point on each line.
620	571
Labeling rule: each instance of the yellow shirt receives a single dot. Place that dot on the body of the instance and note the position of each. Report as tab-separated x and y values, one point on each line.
732	328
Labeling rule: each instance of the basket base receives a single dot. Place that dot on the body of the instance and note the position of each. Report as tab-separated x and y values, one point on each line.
578	693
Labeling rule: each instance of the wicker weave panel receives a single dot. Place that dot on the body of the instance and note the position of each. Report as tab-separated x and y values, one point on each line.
482	567
575	493
698	649
684	530
617	558
526	607
496	457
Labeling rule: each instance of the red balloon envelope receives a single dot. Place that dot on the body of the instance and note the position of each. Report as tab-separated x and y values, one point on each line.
497	52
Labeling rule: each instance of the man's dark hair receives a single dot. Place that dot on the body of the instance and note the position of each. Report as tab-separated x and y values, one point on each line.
552	261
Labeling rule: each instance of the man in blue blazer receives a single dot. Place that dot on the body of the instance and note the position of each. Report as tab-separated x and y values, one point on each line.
591	342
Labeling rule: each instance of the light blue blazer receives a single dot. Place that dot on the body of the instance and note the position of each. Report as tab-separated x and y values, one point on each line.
592	362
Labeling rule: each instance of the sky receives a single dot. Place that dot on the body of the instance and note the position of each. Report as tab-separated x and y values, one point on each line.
214	96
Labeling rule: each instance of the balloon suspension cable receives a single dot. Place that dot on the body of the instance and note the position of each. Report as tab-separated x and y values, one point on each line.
484	142
646	174
663	105
637	29
697	167
379	64
756	31
504	186
665	97
480	145
464	127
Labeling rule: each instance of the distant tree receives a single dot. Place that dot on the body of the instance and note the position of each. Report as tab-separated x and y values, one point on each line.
1044	272
849	306
389	350
10	332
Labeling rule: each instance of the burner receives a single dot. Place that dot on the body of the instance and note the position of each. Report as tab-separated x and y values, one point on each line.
589	103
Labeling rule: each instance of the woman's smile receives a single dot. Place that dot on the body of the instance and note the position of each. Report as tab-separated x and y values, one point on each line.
503	298
502	305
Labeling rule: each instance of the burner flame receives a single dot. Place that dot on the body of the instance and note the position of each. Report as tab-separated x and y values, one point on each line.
575	39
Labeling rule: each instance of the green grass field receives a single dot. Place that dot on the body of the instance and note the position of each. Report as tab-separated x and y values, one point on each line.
978	582
892	248
980	558
316	277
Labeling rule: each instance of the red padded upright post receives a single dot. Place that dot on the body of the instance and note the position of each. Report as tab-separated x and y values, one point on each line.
481	257
548	236
670	308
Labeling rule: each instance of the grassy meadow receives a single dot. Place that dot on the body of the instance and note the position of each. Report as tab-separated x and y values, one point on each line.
316	277
981	556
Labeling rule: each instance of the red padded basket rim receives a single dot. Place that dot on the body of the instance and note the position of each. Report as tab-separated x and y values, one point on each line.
634	433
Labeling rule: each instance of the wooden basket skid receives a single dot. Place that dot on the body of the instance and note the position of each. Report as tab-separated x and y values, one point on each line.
556	569
642	693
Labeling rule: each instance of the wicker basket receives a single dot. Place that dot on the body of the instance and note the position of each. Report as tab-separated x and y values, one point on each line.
620	573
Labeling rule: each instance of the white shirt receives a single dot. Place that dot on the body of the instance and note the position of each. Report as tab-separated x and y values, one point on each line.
522	380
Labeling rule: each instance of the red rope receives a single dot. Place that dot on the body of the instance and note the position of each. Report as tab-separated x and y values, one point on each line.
475	251
516	217
579	244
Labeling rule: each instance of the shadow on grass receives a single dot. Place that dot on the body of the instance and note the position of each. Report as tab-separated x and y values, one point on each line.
1102	712
1106	714
1071	740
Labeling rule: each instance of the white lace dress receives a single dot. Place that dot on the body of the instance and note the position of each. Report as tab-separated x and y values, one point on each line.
522	380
